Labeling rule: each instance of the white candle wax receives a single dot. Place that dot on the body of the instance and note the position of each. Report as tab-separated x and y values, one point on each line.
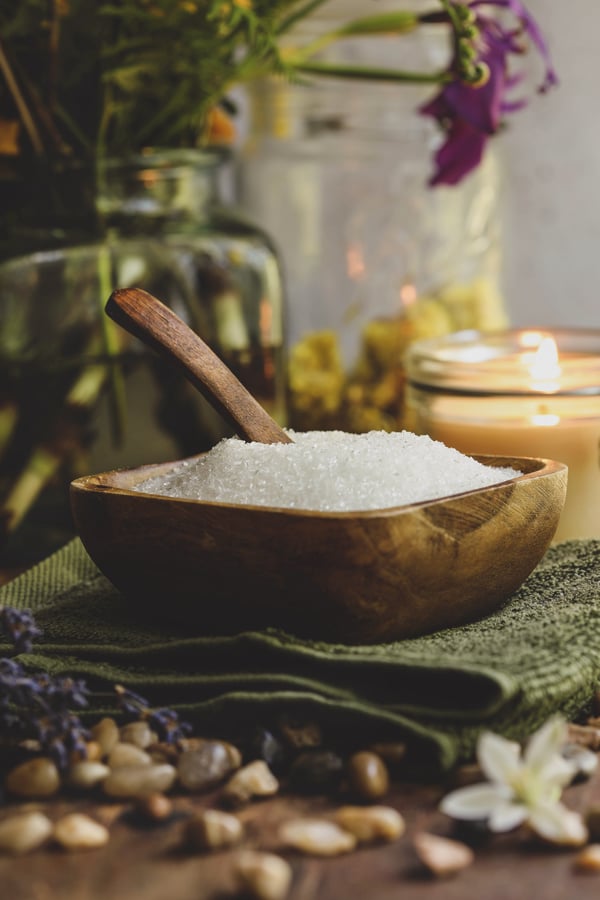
505	406
574	442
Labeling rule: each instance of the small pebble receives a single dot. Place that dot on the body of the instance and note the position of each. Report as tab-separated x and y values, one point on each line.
24	832
469	773
253	780
161	752
584	735
588	859
371	823
154	807
128	755
316	771
37	777
77	831
300	735
442	856
213	829
264	745
189	743
585	760
203	769
138	781
106	734
368	775
137	733
393	753
318	837
91	751
86	775
263	876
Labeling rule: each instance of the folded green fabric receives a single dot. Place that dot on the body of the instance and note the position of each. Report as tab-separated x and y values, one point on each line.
539	654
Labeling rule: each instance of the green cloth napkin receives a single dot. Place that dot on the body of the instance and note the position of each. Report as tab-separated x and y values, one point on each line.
537	655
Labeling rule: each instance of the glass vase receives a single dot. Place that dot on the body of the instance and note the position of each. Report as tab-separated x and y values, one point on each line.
338	171
80	395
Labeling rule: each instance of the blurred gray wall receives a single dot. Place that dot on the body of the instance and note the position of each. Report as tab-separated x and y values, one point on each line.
551	162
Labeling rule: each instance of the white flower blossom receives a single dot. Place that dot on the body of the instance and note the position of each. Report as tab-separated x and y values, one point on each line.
522	788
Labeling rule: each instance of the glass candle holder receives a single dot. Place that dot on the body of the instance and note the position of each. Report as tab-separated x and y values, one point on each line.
529	392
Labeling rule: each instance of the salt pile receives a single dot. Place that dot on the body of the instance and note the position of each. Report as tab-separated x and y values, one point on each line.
329	471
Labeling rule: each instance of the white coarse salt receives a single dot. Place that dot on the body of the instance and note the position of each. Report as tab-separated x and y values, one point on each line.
328	471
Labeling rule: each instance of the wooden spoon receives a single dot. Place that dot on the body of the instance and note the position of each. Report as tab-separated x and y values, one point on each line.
157	326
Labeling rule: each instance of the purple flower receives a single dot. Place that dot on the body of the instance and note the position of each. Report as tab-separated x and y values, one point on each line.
20	627
472	104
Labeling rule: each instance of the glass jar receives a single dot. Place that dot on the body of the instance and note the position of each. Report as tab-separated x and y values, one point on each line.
79	395
517	393
337	171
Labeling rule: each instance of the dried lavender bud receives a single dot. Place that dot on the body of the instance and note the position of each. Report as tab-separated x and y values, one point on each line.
20	627
39	706
164	721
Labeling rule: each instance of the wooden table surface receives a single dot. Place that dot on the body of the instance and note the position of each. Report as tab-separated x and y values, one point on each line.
142	862
150	862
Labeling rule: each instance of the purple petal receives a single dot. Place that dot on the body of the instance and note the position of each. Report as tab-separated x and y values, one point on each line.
517	8
480	106
461	152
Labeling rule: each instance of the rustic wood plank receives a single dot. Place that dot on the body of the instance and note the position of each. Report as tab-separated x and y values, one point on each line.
150	863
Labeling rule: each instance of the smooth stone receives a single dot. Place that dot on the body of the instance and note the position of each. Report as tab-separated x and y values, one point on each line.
137	781
253	780
128	755
87	774
368	775
204	768
76	831
154	807
37	777
442	856
318	837
106	734
262	876
213	829
316	771
371	823
138	733
24	832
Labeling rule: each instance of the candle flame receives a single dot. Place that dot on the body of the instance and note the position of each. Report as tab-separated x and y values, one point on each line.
544	368
545	419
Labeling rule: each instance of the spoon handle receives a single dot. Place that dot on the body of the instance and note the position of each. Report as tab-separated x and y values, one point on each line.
161	329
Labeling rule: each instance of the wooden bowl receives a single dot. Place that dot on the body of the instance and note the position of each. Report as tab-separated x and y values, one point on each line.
357	577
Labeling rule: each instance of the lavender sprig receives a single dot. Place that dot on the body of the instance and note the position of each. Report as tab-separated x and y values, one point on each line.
39	706
164	721
20	627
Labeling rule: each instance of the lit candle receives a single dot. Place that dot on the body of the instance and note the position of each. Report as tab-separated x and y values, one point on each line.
517	393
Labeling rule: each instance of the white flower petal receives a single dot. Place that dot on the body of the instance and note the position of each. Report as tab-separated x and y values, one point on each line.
555	823
584	760
507	816
477	801
545	743
556	772
498	758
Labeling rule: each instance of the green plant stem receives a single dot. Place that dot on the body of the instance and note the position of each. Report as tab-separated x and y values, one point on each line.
111	343
63	443
8	420
15	91
336	70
